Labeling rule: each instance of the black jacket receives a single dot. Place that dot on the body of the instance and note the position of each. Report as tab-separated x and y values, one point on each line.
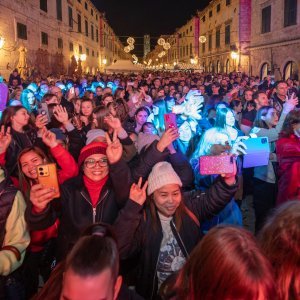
138	238
75	211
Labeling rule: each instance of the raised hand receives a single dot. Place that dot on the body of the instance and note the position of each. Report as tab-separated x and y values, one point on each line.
113	122
229	178
41	121
41	196
138	193
84	120
61	114
114	149
5	139
239	147
168	137
49	138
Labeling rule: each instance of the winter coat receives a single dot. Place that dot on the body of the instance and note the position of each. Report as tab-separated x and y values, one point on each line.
75	210
138	238
288	154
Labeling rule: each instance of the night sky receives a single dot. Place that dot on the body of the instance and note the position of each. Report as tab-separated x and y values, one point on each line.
136	18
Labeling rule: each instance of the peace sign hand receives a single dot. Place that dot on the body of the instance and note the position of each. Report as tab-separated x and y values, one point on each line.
5	139
138	193
114	149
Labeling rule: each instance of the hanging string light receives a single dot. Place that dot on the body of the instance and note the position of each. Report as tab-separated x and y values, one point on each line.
167	46
161	41
127	49
130	40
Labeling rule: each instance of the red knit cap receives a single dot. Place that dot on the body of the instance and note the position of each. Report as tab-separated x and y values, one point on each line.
90	149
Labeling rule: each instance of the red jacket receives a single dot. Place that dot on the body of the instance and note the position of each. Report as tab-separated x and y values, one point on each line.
288	154
68	169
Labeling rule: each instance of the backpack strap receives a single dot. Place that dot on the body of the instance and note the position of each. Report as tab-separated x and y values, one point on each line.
192	216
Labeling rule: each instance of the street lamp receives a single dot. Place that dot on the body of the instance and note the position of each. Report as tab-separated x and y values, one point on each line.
234	55
83	57
2	42
104	61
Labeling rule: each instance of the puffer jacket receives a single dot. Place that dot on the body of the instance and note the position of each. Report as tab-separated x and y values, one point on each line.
75	210
137	237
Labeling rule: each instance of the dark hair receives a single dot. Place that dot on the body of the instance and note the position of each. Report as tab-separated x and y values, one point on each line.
262	112
47	97
226	264
279	239
256	94
9	112
235	103
101	112
291	119
278	82
24	182
142	108
94	252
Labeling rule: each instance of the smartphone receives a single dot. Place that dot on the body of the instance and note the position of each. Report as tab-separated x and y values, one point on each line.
170	121
216	164
43	110
47	176
258	152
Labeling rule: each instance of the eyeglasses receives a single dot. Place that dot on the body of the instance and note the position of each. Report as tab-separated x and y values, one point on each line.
91	163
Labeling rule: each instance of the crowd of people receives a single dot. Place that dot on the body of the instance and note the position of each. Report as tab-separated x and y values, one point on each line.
131	216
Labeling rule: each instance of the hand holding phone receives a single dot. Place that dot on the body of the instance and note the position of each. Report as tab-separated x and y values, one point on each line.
40	196
47	176
170	121
219	164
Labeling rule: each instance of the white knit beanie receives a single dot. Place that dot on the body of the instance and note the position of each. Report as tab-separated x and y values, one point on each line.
162	174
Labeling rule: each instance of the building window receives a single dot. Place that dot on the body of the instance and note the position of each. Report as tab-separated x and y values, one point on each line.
97	36
43	5
44	36
87	51
203	47
191	49
291	71
93	53
86	28
85	6
191	28
21	31
60	43
264	71
92	32
227	34
92	12
79	22
210	13
228	2
227	66
58	10
96	17
209	42
290	12
203	19
80	49
218	7
266	19
71	47
70	14
218	38
187	50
